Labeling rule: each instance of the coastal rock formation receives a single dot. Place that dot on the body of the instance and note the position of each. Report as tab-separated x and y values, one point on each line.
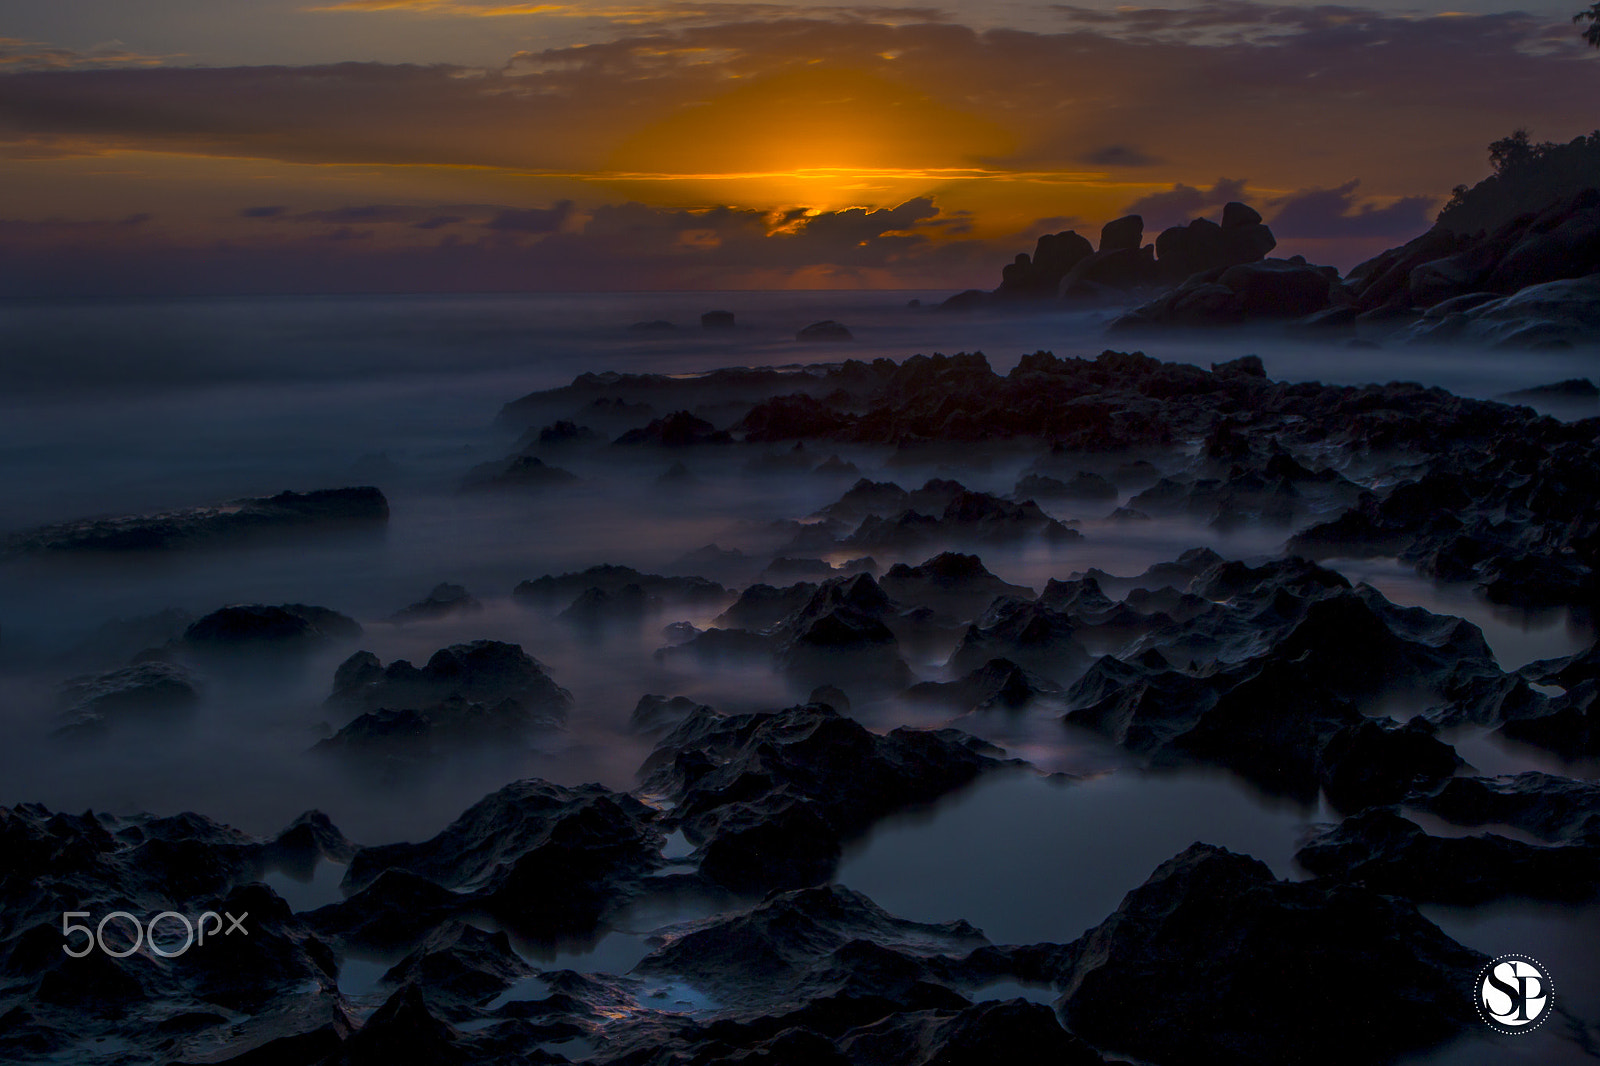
827	330
486	672
261	626
145	692
235	522
514	472
769	799
1273	970
445	600
1065	266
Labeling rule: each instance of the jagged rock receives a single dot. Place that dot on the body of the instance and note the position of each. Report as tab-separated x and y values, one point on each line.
659	714
483	672
761	606
677	430
999	684
1390	854
1549	807
551	590
445	600
1273	970
950	583
228	523
789	417
1083	486
598	606
546	860
770	798
515	471
1025	632
794	941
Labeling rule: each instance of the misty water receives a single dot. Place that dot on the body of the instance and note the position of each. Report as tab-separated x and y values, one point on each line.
129	407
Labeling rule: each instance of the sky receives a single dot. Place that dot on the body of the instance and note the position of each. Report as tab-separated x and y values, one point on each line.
206	146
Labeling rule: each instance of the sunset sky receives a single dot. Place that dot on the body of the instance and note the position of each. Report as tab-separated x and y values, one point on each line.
201	146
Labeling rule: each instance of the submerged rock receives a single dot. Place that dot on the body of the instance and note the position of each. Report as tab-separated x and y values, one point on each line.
147	692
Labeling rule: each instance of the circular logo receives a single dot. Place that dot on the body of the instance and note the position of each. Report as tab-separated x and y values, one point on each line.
1513	994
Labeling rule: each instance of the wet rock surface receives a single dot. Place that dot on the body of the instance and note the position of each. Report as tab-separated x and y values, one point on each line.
516	933
770	798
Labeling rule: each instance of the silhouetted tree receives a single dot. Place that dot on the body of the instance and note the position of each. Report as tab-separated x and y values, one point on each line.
1592	34
1512	151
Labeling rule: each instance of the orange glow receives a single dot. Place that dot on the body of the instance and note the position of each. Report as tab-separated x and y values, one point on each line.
824	138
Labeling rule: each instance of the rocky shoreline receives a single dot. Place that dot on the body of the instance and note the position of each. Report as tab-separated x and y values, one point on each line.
1277	671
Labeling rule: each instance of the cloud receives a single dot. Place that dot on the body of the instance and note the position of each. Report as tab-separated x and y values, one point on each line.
1118	155
1333	213
618	246
21	55
274	211
1183	202
531	220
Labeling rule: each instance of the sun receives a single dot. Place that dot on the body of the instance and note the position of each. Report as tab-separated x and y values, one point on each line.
820	137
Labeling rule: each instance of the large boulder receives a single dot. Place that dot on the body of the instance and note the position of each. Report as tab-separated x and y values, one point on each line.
1203	245
1039	276
1552	314
1214	960
1122	234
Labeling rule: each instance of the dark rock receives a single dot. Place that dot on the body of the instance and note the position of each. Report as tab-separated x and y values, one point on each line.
1549	807
951	583
256	625
485	672
1393	855
1025	632
676	430
550	590
828	330
659	714
445	600
629	604
1083	486
547	860
999	684
1126	233
515	471
149	692
1571	389
771	798
229	523
717	320
1039	277
1273	970
761	606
